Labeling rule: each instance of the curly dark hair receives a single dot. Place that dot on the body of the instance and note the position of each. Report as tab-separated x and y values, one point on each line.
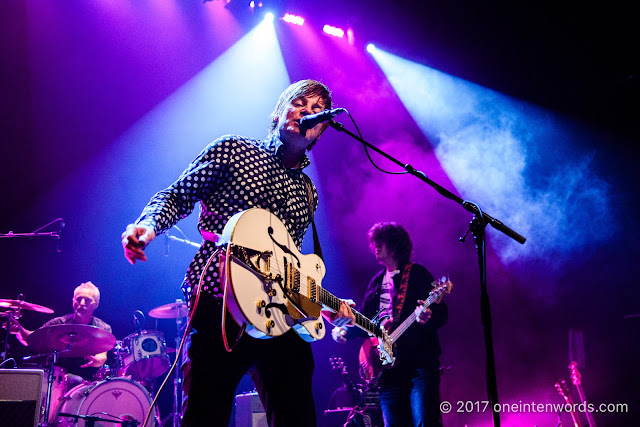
394	237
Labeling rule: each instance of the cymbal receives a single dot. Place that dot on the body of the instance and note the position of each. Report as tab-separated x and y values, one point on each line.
14	303
71	340
170	311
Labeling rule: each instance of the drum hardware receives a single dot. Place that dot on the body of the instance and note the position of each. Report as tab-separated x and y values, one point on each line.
71	340
20	304
179	311
67	340
174	310
89	420
117	368
147	356
116	400
54	374
14	312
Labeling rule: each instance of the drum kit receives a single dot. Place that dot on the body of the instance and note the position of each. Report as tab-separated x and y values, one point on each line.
120	393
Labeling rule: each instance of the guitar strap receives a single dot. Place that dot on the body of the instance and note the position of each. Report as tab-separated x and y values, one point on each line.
402	294
316	241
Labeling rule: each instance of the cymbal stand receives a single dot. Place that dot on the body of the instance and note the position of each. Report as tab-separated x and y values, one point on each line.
47	408
10	315
177	378
7	316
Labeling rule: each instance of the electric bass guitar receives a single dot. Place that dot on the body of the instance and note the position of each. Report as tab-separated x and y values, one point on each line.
372	363
272	287
338	365
563	390
576	377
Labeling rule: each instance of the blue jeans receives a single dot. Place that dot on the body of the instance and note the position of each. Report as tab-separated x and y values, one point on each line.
411	398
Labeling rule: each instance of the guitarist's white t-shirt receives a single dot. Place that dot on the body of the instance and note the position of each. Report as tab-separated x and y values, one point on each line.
386	294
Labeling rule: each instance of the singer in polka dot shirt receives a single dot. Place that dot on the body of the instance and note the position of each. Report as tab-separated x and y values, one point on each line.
230	175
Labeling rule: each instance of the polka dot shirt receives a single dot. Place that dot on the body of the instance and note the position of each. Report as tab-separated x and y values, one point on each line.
230	175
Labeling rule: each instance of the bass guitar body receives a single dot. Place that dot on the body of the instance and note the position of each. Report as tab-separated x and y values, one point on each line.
372	361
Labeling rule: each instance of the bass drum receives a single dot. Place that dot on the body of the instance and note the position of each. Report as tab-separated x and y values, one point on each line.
116	398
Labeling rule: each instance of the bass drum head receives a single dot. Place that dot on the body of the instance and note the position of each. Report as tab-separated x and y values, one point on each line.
115	398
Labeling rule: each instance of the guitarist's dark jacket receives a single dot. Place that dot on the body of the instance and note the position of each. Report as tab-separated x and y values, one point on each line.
418	347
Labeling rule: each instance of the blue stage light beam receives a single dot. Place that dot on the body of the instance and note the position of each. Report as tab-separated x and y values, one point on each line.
519	161
235	93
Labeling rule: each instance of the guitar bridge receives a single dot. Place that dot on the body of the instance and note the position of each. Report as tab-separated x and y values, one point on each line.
257	261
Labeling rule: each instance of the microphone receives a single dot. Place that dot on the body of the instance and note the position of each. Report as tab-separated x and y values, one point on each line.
166	244
307	122
59	247
138	318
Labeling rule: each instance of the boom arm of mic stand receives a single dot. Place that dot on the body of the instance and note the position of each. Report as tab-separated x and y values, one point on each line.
498	225
480	220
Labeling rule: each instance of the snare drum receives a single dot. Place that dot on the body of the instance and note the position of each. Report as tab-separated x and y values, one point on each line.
115	398
147	357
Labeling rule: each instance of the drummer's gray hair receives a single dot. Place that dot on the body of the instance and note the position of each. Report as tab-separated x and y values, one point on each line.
89	286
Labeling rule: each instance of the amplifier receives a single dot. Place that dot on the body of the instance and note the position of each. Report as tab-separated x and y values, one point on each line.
249	411
20	395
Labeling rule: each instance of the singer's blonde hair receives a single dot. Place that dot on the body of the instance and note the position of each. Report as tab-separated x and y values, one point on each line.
296	90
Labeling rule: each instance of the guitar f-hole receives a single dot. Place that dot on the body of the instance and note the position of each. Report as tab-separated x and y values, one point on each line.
279	306
284	248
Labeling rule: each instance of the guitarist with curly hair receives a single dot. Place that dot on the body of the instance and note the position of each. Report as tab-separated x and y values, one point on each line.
409	390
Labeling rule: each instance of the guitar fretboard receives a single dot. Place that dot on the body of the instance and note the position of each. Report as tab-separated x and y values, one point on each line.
333	303
433	297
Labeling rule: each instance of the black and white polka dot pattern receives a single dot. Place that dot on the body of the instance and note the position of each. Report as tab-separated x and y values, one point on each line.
230	175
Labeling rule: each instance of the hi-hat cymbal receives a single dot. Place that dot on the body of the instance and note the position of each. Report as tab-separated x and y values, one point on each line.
14	303
170	311
71	340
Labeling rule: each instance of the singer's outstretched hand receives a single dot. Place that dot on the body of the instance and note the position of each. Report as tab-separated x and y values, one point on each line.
134	239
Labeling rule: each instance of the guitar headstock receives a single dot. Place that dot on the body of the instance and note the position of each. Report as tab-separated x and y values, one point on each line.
563	389
576	377
442	287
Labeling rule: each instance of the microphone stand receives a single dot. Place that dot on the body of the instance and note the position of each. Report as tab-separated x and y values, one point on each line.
477	228
57	234
90	420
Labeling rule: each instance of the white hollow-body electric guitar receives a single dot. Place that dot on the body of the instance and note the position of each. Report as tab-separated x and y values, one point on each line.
272	287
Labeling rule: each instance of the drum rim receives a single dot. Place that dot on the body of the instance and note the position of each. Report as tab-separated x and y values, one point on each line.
145	332
91	386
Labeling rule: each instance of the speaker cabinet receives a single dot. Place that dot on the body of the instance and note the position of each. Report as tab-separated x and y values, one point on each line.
20	395
249	411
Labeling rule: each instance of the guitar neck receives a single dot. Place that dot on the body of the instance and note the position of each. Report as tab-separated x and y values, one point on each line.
576	377
395	335
563	390
333	303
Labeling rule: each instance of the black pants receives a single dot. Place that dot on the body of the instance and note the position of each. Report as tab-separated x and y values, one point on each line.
281	369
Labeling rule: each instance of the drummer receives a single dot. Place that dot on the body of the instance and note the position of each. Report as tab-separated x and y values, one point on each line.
86	299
